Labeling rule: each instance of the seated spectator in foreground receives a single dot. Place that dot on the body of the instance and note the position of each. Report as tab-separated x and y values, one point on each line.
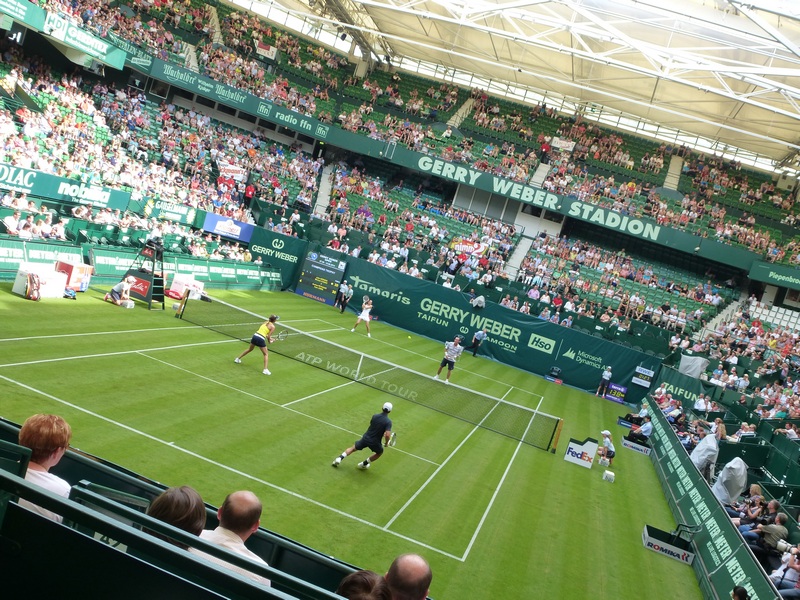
789	430
768	538
48	438
409	577
181	507
239	518
641	435
364	585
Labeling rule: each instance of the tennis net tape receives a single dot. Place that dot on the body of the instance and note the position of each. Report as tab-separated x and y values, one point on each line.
532	427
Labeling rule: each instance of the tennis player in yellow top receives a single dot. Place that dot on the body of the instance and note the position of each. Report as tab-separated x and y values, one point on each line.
260	339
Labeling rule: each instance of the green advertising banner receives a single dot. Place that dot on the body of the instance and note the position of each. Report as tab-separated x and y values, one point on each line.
238	99
514	338
685	388
15	252
136	57
780	275
59	28
44	185
722	559
171	211
279	251
24	12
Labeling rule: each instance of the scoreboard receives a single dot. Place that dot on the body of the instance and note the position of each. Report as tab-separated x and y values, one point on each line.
320	277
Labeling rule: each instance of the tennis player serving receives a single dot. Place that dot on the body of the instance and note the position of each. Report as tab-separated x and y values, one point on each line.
366	306
452	350
260	339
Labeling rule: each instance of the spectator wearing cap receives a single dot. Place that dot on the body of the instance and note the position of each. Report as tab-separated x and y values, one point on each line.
375	438
607	450
121	292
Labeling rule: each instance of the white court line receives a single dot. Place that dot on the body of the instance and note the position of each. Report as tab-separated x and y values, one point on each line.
497	489
436	472
472	372
119	353
227	468
250	394
119	331
316	394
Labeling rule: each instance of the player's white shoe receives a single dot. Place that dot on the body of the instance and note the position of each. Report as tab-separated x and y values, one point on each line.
237	360
266	372
447	382
369	335
436	376
352	330
336	461
364	465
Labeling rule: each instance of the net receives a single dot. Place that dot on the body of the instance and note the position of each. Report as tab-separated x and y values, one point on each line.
530	426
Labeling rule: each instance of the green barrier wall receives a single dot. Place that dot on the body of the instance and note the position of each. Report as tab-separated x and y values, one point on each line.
44	185
279	251
115	262
722	559
515	339
15	252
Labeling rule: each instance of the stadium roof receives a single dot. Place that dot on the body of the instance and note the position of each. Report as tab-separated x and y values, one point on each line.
727	70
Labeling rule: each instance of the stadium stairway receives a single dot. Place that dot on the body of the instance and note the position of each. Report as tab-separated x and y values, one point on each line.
540	175
519	254
213	19
324	191
673	173
462	113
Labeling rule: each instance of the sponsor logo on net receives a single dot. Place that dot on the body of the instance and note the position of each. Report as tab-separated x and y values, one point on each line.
584	358
669	551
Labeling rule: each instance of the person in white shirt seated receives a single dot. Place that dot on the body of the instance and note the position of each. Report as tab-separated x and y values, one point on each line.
48	438
702	404
239	518
789	430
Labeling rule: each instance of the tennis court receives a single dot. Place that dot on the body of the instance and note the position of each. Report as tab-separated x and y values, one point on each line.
496	516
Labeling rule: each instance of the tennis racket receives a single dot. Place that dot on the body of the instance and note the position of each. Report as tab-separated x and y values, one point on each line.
365	299
282	335
392	440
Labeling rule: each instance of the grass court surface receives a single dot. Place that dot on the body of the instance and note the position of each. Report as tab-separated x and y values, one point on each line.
495	518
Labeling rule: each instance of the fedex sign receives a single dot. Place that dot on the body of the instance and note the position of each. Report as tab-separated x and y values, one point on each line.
581	453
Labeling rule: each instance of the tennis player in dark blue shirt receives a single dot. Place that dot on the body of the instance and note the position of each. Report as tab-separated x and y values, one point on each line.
375	438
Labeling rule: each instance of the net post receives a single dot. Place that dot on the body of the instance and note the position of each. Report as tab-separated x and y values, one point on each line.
554	441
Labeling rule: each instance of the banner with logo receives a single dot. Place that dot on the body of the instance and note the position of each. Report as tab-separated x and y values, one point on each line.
44	185
514	338
468	247
233	171
171	211
281	251
581	453
780	275
685	388
264	50
15	252
227	227
136	57
24	12
722	559
82	40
